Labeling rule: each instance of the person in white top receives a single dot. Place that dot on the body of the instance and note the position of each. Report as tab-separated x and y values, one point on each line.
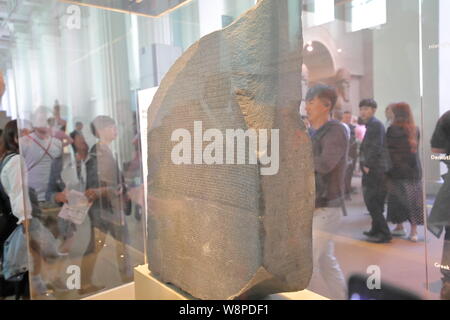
13	176
39	149
13	179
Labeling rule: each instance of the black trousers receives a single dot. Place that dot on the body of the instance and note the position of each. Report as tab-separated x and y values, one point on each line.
375	192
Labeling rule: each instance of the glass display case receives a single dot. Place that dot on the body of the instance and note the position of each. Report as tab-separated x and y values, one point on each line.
81	79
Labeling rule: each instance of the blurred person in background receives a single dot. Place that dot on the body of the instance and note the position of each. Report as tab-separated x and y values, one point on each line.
65	179
106	189
330	148
57	193
13	189
339	116
352	153
389	116
60	123
360	130
133	169
405	192
77	134
58	133
374	164
39	149
79	145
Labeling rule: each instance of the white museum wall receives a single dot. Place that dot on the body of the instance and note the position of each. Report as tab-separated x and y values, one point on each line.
444	55
396	57
431	23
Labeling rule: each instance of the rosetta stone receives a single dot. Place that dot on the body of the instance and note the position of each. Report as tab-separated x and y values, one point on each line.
226	231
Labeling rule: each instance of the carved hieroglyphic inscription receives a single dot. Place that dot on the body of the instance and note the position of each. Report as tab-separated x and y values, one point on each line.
226	231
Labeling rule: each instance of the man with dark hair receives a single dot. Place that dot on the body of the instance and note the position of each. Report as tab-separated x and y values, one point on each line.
330	148
368	103
374	165
325	93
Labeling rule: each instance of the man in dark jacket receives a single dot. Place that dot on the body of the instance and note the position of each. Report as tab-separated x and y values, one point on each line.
439	219
330	149
2	86
374	164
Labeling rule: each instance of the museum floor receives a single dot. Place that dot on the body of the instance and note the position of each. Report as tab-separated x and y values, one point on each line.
402	262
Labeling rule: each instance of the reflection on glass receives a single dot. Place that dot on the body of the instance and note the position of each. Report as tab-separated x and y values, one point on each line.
330	141
86	232
379	225
405	194
147	7
75	68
